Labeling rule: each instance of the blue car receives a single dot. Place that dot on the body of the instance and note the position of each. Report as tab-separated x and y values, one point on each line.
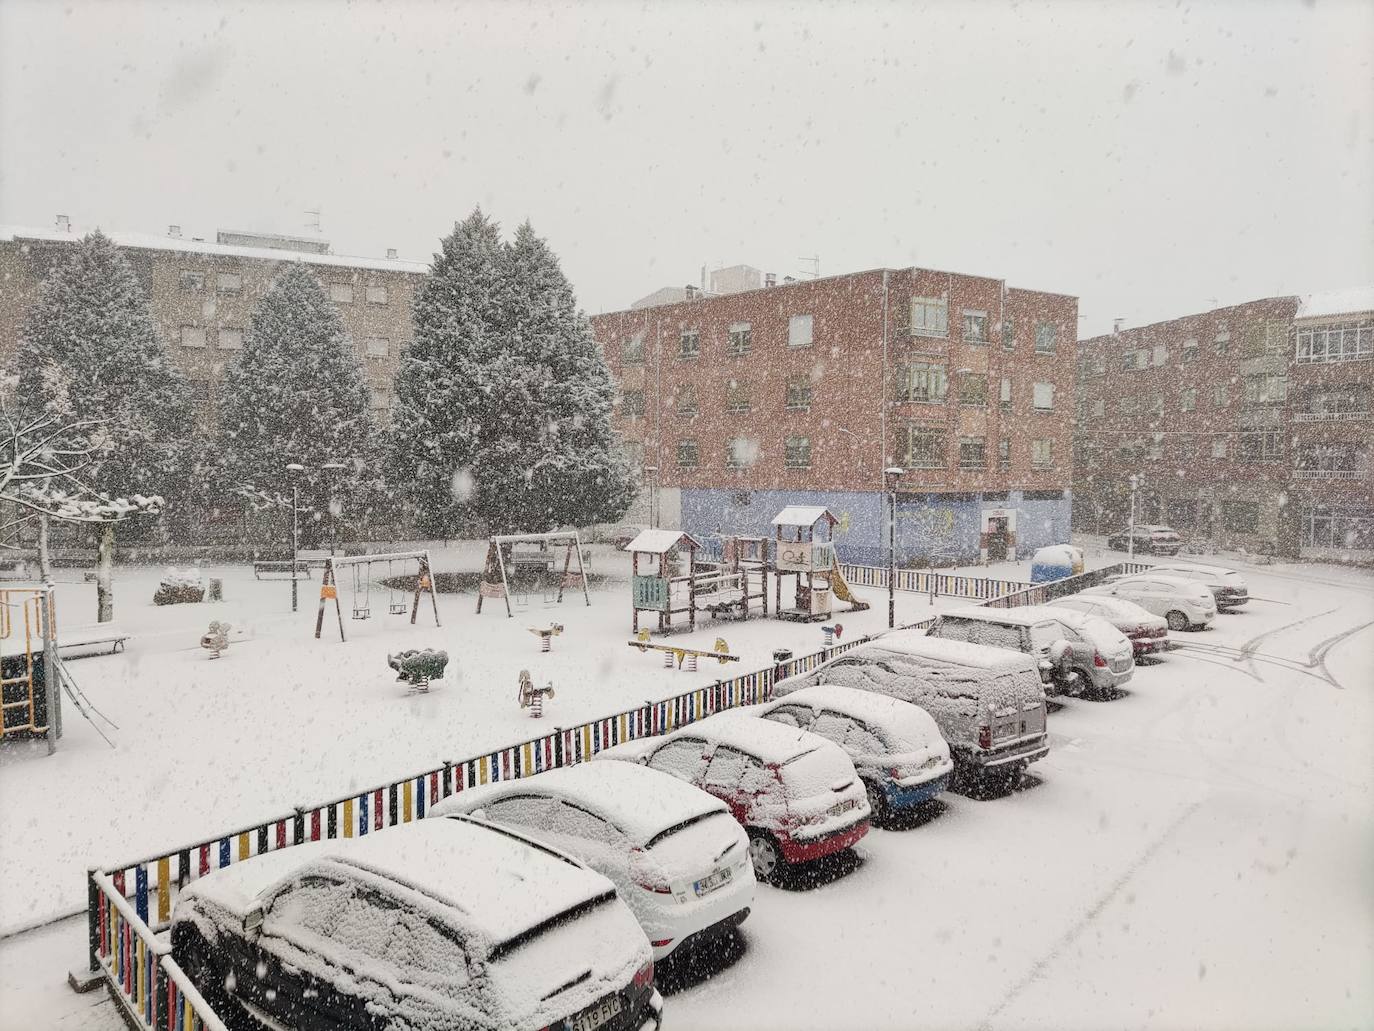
897	749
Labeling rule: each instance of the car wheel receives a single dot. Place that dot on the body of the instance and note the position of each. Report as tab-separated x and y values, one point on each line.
766	856
200	969
877	801
1177	620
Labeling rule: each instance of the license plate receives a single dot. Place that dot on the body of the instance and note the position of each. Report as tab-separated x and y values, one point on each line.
1004	731
709	884
844	807
597	1015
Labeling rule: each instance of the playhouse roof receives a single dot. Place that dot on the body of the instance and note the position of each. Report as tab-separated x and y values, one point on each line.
803	515
656	542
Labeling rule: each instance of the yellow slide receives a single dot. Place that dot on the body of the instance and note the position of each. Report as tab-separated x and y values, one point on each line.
840	588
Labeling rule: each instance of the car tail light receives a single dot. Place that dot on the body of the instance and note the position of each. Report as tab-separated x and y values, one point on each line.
1099	661
644	976
984	737
648	879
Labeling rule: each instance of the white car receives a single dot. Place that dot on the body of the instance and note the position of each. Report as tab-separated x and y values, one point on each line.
1227	586
439	925
1147	632
675	854
896	747
1184	604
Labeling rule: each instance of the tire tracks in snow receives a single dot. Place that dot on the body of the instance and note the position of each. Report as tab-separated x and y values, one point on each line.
1315	666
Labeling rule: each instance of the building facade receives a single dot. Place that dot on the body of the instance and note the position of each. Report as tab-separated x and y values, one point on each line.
1246	426
737	405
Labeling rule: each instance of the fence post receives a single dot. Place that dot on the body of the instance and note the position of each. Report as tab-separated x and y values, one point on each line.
298	825
557	748
448	779
92	919
160	1008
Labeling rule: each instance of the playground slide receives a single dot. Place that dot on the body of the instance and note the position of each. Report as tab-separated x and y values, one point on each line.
839	586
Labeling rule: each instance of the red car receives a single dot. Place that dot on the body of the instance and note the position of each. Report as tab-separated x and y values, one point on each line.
795	793
1147	632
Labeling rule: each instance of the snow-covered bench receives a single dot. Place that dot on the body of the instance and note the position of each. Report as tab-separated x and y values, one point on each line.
79	642
282	567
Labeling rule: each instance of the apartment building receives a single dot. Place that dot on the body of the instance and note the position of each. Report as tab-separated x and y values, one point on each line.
202	294
737	405
1247	426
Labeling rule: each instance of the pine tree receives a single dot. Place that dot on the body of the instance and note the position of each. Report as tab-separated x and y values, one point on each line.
296	394
90	351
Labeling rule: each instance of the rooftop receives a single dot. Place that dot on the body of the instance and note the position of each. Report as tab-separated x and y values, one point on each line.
1351	301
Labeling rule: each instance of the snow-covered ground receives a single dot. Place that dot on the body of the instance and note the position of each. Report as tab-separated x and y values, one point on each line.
1196	853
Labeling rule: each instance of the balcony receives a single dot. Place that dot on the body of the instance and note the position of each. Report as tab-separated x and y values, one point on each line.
1327	474
1330	416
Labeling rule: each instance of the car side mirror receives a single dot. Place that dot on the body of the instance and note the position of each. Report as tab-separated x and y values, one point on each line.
1060	652
252	920
478	814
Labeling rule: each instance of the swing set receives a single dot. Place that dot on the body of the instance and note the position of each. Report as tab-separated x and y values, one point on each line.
361	567
531	553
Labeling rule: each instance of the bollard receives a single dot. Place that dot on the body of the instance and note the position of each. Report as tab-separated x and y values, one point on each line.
216	589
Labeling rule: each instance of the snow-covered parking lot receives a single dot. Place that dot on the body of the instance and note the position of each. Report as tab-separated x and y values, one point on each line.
1195	853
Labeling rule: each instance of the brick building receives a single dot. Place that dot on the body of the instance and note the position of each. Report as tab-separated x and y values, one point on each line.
805	392
1248	425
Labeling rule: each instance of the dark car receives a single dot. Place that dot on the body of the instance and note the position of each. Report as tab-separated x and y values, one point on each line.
1151	540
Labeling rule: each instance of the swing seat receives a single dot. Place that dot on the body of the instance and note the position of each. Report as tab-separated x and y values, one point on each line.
361	613
397	608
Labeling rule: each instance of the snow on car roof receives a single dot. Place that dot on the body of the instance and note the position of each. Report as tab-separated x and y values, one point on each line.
962	653
1195	567
1021	615
640	801
877	710
767	741
1119	608
802	515
656	542
1164	578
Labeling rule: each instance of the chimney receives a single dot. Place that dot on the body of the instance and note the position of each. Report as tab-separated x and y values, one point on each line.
1116	326
703	279
788	279
174	232
691	292
391	253
770	279
64	224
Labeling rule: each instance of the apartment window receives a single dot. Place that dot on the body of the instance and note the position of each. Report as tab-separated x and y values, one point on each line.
376	294
1266	388
1042	454
1221	343
799	331
1156	403
200	391
797	453
975	327
230	282
1004	394
1003	454
1241	516
1046	337
929	317
973	390
687	400
1344	343
1351	528
689	344
1155	451
632	350
191	280
1188	399
1221	395
737	400
192	336
1042	397
923	382
1336	461
1190	350
688	454
925	449
973	453
1131	361
229	339
737	451
1160	354
632	403
740	334
1218	447
381	399
798	393
341	293
378	347
1261	446
1098	408
1266	338
1009	334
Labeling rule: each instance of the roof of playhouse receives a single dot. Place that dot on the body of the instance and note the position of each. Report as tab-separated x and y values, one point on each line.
656	542
803	515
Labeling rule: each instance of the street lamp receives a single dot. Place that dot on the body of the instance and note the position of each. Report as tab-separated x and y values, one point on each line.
651	474
295	469
332	469
890	477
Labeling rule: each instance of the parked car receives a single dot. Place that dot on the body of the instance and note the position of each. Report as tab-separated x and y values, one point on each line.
895	746
1185	604
1228	587
1075	653
1152	540
1055	563
796	794
988	703
437	925
675	854
1147	632
622	535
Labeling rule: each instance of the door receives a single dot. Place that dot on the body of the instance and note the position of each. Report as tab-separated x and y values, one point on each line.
723	775
998	536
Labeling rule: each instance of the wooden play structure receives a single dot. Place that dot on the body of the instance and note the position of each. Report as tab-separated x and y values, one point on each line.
739	582
801	551
666	591
676	654
514	557
362	567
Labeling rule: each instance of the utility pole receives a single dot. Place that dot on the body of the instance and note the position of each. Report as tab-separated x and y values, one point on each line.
1130	530
295	469
892	474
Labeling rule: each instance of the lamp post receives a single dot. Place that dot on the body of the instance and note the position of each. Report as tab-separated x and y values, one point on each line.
332	469
890	476
295	469
1130	530
651	474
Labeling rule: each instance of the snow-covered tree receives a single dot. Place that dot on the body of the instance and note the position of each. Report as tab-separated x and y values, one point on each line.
90	357
296	395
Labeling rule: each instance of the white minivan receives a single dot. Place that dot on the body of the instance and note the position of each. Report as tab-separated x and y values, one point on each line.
1227	586
1184	604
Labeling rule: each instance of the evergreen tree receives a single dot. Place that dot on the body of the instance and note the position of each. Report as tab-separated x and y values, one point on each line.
296	394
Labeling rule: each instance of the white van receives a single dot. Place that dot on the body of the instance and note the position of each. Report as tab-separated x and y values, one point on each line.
989	703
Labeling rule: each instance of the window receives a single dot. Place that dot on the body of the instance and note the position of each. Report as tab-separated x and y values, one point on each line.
378	347
798	393
341	293
230	282
797	453
1340	461
1218	447
725	769
1009	334
1155	451
1046	337
925	449
687	400
1266	388
376	294
1222	342
1241	516
632	350
1042	397
1160	354
689	344
740	338
1134	360
1156	403
1098	408
740	452
1261	446
799	331
688	454
973	390
1190	350
737	401
632	403
681	757
381	399
1004	394
1003	456
1343	343
191	280
192	336
975	327
922	382
1187	399
576	822
972	453
1221	395
1266	338
1042	454
929	317
1349	528
229	339
1042	495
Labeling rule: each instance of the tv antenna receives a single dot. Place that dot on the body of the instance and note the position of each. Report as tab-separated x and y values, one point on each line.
815	263
313	219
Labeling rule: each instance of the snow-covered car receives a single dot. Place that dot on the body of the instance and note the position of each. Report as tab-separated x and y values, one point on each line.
1228	587
796	794
675	854
438	925
1184	604
1153	540
1076	653
989	703
1056	562
1147	632
895	746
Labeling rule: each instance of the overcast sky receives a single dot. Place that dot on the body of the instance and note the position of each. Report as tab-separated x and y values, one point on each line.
1153	159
